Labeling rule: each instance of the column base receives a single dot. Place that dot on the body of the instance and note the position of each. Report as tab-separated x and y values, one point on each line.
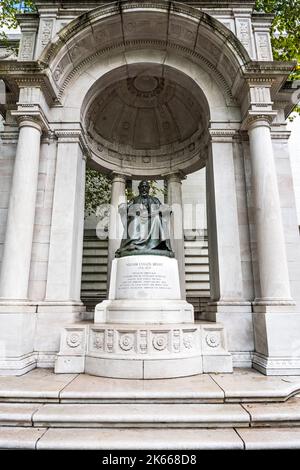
16	366
273	365
30	333
51	317
17	331
277	342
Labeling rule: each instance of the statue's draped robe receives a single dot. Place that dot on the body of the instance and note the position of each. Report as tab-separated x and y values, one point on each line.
146	228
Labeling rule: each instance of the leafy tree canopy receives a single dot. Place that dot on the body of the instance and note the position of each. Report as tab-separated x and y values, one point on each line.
285	32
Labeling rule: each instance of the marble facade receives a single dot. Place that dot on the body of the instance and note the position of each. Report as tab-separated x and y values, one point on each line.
206	94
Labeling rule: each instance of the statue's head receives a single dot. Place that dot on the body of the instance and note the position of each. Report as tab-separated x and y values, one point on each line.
144	188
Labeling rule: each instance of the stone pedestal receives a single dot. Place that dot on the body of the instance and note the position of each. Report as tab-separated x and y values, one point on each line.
144	330
143	351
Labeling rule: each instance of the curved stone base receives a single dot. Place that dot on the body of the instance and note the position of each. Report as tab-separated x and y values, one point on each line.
143	369
144	311
143	351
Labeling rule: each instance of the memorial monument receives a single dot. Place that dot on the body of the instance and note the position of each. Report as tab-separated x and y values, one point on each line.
156	90
145	329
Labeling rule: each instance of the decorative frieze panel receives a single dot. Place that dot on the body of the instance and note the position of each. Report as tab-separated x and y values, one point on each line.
27	46
244	34
144	351
46	32
135	341
263	46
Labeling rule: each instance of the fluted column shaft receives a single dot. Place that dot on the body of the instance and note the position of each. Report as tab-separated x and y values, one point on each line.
21	213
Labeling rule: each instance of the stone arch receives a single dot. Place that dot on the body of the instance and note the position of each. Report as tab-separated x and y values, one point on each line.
157	25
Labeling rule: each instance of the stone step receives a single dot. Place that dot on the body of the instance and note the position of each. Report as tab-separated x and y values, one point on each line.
197	293
93	286
91	261
197	277
243	386
151	415
94	277
197	260
113	439
278	414
129	415
196	269
95	243
196	252
95	252
195	243
198	286
149	439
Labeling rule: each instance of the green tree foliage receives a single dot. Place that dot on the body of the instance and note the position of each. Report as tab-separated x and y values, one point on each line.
97	191
8	12
285	32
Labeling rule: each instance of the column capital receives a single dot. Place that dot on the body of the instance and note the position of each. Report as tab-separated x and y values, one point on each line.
31	118
175	177
118	177
258	119
29	121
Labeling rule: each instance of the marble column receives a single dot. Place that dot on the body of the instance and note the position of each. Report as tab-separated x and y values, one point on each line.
115	225
223	226
271	253
66	238
177	232
20	223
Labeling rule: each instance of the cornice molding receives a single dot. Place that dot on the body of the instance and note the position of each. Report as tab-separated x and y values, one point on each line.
28	74
223	135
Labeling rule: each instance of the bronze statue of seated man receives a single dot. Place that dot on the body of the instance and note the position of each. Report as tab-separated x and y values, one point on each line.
146	226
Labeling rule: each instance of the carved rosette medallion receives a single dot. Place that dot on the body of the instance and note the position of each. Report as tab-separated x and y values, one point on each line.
126	342
160	342
212	339
73	340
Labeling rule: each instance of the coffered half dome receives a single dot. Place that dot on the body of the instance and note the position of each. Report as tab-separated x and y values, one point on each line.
147	113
